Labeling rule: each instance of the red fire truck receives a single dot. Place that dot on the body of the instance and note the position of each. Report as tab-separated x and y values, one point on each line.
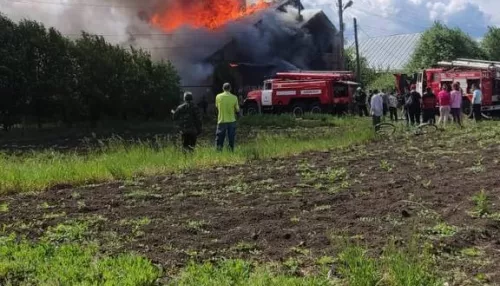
485	74
303	91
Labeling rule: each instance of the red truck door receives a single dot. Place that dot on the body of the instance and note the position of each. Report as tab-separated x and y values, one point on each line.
487	88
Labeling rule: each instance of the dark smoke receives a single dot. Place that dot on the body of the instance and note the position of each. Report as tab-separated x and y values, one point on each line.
269	37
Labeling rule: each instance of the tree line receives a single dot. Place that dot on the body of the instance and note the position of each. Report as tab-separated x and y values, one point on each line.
46	77
442	43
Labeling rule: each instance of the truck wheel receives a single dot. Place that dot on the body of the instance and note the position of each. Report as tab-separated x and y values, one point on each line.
251	109
316	108
298	110
466	107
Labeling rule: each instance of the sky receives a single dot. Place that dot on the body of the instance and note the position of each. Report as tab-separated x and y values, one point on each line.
388	17
375	17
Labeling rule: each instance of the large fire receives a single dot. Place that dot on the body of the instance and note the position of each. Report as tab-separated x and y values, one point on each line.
210	14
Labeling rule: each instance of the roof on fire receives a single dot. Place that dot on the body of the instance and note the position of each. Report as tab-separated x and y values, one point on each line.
389	52
307	14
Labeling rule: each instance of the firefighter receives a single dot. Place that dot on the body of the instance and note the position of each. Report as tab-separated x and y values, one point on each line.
189	122
360	98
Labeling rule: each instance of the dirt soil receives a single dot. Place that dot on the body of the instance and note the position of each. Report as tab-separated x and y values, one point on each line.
296	207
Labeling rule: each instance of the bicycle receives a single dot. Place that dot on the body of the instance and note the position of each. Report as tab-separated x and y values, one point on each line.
385	129
426	128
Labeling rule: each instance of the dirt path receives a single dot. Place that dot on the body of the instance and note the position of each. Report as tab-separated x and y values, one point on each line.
294	208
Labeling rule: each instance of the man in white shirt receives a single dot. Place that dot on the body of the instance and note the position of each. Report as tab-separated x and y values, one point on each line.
477	100
376	108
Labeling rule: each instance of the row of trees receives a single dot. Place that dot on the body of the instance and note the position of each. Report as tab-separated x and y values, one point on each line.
46	77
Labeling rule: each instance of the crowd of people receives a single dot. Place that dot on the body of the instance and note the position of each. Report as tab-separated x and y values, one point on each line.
417	108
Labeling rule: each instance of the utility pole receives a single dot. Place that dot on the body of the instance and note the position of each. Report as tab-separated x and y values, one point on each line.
342	8
341	27
358	59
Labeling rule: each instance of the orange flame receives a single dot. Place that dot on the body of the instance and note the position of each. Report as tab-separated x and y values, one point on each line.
210	14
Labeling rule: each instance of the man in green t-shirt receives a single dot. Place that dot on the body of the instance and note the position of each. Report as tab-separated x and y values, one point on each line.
227	107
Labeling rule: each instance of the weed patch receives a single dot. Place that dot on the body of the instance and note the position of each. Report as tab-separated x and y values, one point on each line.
239	272
24	263
65	233
482	204
442	230
197	226
410	266
386	166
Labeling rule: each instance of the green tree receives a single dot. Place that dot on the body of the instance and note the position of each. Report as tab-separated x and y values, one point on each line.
440	43
62	78
383	81
491	44
367	74
48	77
10	101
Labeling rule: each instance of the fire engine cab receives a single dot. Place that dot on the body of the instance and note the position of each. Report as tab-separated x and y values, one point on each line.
467	72
303	91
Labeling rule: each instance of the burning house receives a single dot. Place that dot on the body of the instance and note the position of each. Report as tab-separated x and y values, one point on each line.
244	44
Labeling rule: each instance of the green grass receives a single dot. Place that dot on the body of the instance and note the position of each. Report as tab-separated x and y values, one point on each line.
119	161
288	121
241	273
68	263
408	266
24	263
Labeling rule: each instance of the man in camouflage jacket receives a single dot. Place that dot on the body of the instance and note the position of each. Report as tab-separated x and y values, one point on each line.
188	117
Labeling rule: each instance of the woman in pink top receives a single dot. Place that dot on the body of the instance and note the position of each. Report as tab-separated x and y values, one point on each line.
456	103
444	99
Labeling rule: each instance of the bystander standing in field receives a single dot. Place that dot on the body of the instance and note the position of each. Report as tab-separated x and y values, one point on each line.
412	105
393	107
456	104
360	98
477	100
401	99
444	99
376	109
369	99
385	100
189	122
429	103
227	106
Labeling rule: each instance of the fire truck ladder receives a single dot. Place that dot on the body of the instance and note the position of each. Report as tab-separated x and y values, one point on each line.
471	63
322	72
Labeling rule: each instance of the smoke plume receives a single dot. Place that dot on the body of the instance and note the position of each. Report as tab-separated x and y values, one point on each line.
277	38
